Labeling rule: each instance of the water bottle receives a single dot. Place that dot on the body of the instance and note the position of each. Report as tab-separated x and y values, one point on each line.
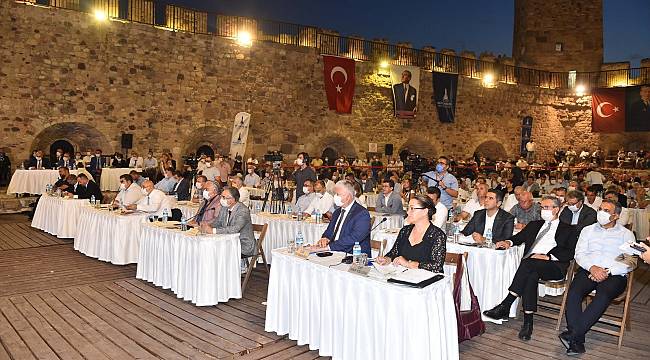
165	215
183	223
456	232
488	237
92	200
356	252
298	213
289	210
318	217
258	206
291	245
300	240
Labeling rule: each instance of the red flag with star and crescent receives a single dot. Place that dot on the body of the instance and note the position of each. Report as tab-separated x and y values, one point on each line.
608	110
339	83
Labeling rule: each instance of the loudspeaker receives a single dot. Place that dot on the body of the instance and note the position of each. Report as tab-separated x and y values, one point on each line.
388	149
127	141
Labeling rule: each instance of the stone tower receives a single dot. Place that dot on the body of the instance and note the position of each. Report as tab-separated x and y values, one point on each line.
559	35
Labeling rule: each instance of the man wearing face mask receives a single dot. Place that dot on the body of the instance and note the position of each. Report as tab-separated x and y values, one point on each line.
39	162
560	193
443	180
624	215
182	187
137	177
96	165
58	159
129	193
244	195
350	223
252	179
210	205
167	184
308	195
67	162
596	253
576	213
592	199
549	246
323	200
197	189
153	201
303	173
211	172
119	161
234	218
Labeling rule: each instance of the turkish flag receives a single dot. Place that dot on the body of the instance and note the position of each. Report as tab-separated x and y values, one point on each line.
339	83
608	110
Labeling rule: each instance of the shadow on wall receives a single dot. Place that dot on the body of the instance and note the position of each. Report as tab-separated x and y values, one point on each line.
334	146
492	149
80	136
422	147
212	137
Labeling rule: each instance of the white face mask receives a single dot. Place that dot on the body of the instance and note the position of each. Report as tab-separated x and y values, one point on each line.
570	188
144	192
561	199
123	186
547	215
198	185
337	200
603	217
206	194
208	164
574	208
250	171
66	158
39	158
58	154
305	190
299	161
223	202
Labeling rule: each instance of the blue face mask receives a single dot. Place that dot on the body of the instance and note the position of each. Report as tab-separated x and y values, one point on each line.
440	168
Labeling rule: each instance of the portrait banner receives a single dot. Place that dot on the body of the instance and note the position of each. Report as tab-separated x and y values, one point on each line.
405	81
239	134
444	93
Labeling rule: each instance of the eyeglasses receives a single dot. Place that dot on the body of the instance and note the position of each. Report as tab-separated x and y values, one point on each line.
415	208
548	207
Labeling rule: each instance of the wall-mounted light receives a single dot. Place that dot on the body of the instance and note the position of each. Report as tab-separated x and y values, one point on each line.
244	38
580	89
100	15
488	80
384	64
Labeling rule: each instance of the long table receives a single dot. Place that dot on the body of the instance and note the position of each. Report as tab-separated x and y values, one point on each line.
203	269
58	215
110	179
35	181
348	316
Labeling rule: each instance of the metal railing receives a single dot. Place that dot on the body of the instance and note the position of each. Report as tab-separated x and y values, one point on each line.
178	18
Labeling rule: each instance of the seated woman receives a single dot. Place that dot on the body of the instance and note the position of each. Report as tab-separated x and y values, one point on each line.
420	244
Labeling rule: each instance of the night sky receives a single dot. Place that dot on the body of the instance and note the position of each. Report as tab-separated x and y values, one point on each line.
475	25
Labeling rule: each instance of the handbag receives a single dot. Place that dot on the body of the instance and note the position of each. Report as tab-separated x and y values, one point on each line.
469	322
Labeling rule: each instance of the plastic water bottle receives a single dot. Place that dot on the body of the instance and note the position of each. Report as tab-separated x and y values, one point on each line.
289	210
291	245
298	213
183	223
92	200
488	237
258	206
356	252
165	215
300	240
318	216
456	232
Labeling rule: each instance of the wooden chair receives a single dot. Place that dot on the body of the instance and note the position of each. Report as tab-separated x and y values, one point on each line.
556	284
371	208
621	321
456	260
260	253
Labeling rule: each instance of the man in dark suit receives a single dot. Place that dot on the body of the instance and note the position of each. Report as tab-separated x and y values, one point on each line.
66	161
39	162
58	158
367	184
62	182
576	213
549	247
182	187
86	188
638	118
119	161
235	218
405	94
96	165
350	223
500	222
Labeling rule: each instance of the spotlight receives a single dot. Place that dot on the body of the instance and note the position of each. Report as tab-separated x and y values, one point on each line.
580	89
244	38
384	64
100	15
488	80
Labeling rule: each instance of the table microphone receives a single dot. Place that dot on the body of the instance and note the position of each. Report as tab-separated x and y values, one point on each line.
382	221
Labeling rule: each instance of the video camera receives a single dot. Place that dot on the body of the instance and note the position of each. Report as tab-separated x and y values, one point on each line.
275	158
416	164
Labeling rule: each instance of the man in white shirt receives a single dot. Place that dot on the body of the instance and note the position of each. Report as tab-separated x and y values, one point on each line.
211	172
167	184
592	199
531	147
440	216
596	179
200	165
474	204
307	196
323	201
252	179
135	161
623	217
244	195
150	162
129	193
597	254
153	200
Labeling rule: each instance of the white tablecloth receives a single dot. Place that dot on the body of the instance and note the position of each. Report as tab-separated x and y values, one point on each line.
392	222
348	316
202	269
108	236
34	181
281	228
641	218
371	199
58	216
255	191
490	271
110	179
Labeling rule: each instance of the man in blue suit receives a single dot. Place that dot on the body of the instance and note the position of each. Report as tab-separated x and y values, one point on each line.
350	223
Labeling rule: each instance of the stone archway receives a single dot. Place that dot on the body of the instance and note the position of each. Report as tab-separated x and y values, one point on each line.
80	135
339	144
420	146
215	137
492	149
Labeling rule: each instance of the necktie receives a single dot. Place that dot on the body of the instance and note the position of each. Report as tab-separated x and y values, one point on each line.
38	165
406	92
148	200
338	223
537	239
228	218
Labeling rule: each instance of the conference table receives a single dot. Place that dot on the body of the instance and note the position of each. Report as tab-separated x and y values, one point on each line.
109	235
58	215
203	269
110	179
490	271
35	181
349	316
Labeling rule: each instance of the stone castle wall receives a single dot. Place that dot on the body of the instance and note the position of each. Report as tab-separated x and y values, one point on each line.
65	76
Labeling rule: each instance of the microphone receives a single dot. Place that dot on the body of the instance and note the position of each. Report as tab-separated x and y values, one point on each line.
381	222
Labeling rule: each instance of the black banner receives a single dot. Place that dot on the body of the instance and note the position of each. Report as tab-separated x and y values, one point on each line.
526	132
444	92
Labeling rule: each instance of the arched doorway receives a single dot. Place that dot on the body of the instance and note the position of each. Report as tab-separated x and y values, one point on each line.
206	150
420	146
337	146
71	136
214	137
492	150
63	145
329	154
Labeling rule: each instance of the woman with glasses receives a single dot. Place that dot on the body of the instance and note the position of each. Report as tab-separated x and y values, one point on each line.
419	244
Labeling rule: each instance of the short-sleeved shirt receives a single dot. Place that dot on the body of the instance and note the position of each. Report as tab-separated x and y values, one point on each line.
450	182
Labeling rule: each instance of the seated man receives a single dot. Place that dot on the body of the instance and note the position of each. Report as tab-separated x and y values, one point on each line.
513	199
153	201
596	253
235	218
575	213
167	183
252	179
86	188
66	161
119	161
624	216
474	205
526	210
72	185
210	205
182	187
532	186
197	189
38	161
212	171
129	193
136	161
307	196
388	201
367	184
592	199
137	177
323	201
62	182
441	213
350	223
549	248
492	220
244	195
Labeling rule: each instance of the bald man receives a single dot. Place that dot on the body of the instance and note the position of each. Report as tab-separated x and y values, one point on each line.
526	210
154	201
512	199
473	205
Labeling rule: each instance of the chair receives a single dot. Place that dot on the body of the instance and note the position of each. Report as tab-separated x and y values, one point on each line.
371	208
621	321
177	215
556	284
379	245
261	229
456	260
